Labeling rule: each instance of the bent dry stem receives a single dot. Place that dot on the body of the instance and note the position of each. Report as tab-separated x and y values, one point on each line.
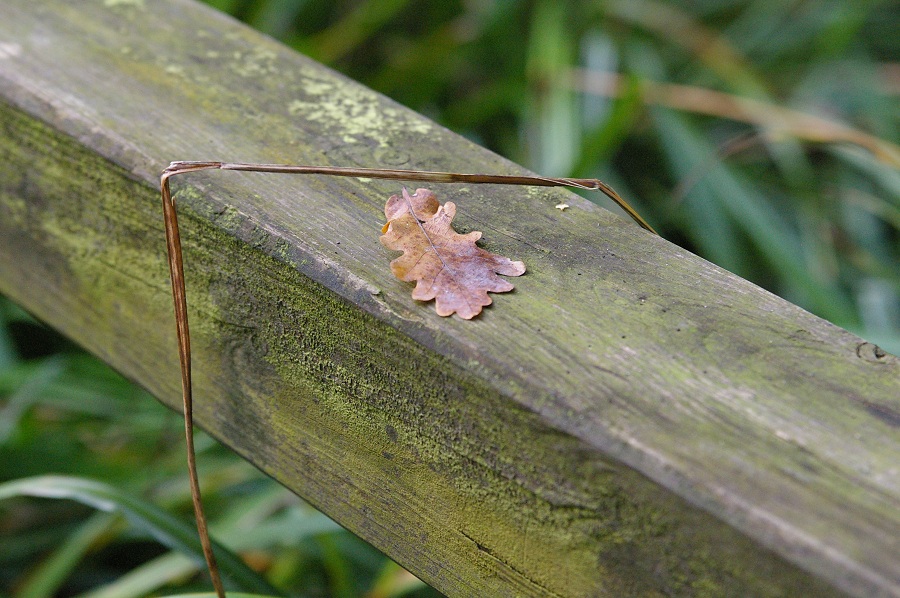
176	272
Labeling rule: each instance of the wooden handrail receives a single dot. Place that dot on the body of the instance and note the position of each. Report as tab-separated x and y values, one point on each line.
630	420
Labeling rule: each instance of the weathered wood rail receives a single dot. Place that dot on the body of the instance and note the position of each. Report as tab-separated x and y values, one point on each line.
632	420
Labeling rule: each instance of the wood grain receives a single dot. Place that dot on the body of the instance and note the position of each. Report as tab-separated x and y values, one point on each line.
631	420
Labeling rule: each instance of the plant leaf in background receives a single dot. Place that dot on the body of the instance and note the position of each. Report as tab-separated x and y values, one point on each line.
143	515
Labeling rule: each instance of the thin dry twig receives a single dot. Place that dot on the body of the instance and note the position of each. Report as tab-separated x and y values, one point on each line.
176	271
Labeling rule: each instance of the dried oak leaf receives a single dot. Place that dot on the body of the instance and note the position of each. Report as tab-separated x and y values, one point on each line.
446	266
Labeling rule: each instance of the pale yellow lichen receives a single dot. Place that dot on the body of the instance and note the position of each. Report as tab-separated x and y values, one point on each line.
259	61
136	3
356	111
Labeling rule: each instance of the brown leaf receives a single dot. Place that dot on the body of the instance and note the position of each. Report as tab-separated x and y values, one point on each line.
446	266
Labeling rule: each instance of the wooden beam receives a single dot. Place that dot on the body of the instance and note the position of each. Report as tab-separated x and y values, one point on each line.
632	420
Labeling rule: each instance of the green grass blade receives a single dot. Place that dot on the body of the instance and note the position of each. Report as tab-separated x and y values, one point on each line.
145	516
49	576
26	395
146	578
757	218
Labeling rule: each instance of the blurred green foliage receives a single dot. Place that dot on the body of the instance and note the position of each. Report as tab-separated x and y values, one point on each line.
760	134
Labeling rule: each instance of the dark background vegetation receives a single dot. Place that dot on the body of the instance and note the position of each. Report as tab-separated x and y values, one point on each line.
807	209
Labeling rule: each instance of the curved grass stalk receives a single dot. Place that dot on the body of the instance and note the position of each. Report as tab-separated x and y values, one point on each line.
773	119
176	271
